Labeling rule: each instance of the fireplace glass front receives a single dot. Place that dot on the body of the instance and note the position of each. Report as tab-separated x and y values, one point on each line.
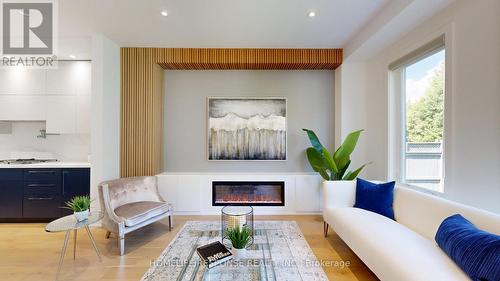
255	193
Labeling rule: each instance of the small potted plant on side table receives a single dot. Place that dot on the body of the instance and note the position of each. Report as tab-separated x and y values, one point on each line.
239	239
80	206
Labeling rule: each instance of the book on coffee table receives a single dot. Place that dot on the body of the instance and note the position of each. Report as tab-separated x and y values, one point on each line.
214	254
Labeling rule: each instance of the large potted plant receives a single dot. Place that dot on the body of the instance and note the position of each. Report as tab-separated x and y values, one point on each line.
333	167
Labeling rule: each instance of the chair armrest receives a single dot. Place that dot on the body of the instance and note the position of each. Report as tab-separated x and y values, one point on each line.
160	197
339	194
108	211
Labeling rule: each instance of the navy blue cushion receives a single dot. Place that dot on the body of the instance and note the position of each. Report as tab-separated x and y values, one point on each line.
475	251
375	197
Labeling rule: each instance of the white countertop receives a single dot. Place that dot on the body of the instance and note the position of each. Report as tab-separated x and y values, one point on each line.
48	165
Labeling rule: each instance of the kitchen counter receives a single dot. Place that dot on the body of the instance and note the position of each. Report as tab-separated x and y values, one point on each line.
48	165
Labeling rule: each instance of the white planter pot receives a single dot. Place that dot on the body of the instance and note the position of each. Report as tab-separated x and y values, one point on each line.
81	216
239	253
340	195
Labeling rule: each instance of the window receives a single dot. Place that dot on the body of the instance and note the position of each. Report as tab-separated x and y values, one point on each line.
421	79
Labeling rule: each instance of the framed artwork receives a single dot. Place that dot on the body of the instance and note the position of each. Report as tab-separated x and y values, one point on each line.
247	129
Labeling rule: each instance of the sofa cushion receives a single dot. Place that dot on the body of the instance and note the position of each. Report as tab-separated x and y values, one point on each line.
391	250
137	212
375	197
475	251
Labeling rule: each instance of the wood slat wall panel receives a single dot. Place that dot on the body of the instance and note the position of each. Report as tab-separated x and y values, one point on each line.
249	58
142	90
141	113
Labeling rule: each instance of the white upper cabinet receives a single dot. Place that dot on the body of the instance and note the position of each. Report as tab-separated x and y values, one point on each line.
61	114
82	71
21	81
69	78
61	96
61	81
22	108
83	114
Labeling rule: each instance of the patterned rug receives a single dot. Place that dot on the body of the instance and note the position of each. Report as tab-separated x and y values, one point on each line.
279	252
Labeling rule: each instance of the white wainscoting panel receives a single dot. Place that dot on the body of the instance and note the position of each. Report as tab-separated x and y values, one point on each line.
188	193
307	193
167	186
192	193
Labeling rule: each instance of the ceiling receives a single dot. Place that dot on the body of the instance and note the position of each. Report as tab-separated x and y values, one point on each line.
214	23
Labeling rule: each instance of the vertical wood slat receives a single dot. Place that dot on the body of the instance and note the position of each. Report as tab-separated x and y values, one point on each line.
141	113
191	59
142	90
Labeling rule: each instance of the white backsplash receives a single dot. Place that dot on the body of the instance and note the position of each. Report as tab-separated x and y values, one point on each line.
24	139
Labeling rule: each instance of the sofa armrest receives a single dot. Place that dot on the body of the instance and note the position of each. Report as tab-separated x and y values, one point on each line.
339	194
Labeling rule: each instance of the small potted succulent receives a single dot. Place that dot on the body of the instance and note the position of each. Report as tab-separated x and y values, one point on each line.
239	239
80	206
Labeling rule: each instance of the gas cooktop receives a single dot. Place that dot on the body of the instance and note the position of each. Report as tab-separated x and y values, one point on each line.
26	161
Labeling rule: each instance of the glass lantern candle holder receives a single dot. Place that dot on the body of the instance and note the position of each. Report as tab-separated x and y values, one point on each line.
236	217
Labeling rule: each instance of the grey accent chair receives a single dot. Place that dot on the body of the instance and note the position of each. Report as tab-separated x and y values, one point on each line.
131	203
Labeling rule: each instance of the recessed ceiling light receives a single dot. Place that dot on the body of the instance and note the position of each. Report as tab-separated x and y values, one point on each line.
311	14
72	56
164	13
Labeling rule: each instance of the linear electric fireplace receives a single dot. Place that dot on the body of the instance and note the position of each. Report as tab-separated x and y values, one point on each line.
252	193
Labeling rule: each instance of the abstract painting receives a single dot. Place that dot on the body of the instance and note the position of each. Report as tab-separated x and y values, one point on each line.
247	128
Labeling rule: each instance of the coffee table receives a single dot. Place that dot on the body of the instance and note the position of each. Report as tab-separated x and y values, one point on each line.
279	252
69	223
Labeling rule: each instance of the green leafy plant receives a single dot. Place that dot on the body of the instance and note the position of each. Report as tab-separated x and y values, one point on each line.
333	167
425	116
78	203
239	237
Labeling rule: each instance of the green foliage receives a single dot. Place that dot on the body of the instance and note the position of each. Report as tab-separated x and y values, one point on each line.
239	237
425	117
333	167
78	203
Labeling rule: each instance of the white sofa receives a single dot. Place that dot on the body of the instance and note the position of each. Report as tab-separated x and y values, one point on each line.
401	250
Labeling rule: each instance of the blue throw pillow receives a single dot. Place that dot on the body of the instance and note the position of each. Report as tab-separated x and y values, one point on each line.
375	197
475	251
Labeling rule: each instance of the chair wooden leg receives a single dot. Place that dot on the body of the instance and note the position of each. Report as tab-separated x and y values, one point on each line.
325	228
108	233
121	244
170	223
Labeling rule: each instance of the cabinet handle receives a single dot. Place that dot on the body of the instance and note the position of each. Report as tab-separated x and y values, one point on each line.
41	185
41	172
40	198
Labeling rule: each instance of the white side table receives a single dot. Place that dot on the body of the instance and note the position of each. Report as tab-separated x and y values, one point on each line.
69	223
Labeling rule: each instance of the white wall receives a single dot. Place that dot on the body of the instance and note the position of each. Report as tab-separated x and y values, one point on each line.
310	104
350	109
105	129
473	106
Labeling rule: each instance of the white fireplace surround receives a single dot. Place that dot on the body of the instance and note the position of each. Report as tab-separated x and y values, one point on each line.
191	193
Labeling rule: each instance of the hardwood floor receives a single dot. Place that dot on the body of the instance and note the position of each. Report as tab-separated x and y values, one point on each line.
27	252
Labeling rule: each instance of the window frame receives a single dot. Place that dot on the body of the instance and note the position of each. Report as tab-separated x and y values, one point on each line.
397	100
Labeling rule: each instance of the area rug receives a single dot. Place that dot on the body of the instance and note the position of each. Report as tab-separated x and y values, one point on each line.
279	252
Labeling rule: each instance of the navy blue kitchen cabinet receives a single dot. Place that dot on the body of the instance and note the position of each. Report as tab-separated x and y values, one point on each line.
75	182
39	194
42	193
11	193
